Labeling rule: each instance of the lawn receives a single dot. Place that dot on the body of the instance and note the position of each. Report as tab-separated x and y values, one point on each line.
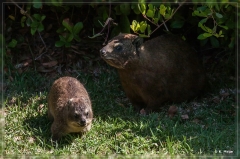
204	126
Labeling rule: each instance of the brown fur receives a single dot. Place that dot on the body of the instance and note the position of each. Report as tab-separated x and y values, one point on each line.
164	69
69	107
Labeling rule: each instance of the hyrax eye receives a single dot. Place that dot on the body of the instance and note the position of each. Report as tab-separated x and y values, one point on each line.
87	114
76	116
118	48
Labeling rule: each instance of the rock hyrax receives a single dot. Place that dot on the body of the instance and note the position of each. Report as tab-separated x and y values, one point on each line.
163	69
69	107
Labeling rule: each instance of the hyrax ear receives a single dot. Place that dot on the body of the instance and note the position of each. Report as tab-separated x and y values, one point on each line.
137	42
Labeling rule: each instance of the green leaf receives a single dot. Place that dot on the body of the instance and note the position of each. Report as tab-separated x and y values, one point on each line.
220	32
199	13
37	17
155	20
184	38
56	2
219	15
76	37
208	11
201	37
67	44
202	8
135	8
143	26
37	4
33	30
60	30
77	27
149	30
23	19
62	38
162	9
205	28
69	38
177	24
214	41
208	29
12	44
67	24
28	21
105	15
40	27
125	9
142	8
59	43
43	17
207	35
204	20
150	6
167	16
225	27
12	17
217	7
34	24
135	26
150	13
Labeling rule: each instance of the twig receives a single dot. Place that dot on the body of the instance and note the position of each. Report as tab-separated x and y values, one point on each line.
41	54
149	19
165	25
169	18
106	24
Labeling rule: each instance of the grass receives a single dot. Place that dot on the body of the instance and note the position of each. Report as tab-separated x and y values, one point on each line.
117	130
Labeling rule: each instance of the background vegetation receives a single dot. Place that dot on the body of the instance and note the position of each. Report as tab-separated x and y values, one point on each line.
44	41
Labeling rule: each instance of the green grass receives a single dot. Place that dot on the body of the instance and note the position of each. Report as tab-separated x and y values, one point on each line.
117	129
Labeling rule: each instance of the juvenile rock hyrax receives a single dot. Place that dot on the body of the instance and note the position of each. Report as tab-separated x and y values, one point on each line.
69	107
163	69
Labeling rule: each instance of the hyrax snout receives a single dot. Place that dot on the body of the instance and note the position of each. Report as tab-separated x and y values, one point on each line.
69	107
163	69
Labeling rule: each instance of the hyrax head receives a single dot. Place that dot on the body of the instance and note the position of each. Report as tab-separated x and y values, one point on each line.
121	50
79	112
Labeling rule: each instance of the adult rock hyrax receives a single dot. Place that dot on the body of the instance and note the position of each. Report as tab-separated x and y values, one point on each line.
69	107
163	69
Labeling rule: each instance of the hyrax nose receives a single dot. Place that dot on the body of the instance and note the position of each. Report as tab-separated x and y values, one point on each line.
83	122
103	52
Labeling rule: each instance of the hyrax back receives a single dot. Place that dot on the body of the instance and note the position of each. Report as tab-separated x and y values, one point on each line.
69	107
163	69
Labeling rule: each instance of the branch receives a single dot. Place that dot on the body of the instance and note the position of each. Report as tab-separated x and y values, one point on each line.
149	19
107	24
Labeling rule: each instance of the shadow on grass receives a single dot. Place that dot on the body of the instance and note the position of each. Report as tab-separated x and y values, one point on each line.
40	126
